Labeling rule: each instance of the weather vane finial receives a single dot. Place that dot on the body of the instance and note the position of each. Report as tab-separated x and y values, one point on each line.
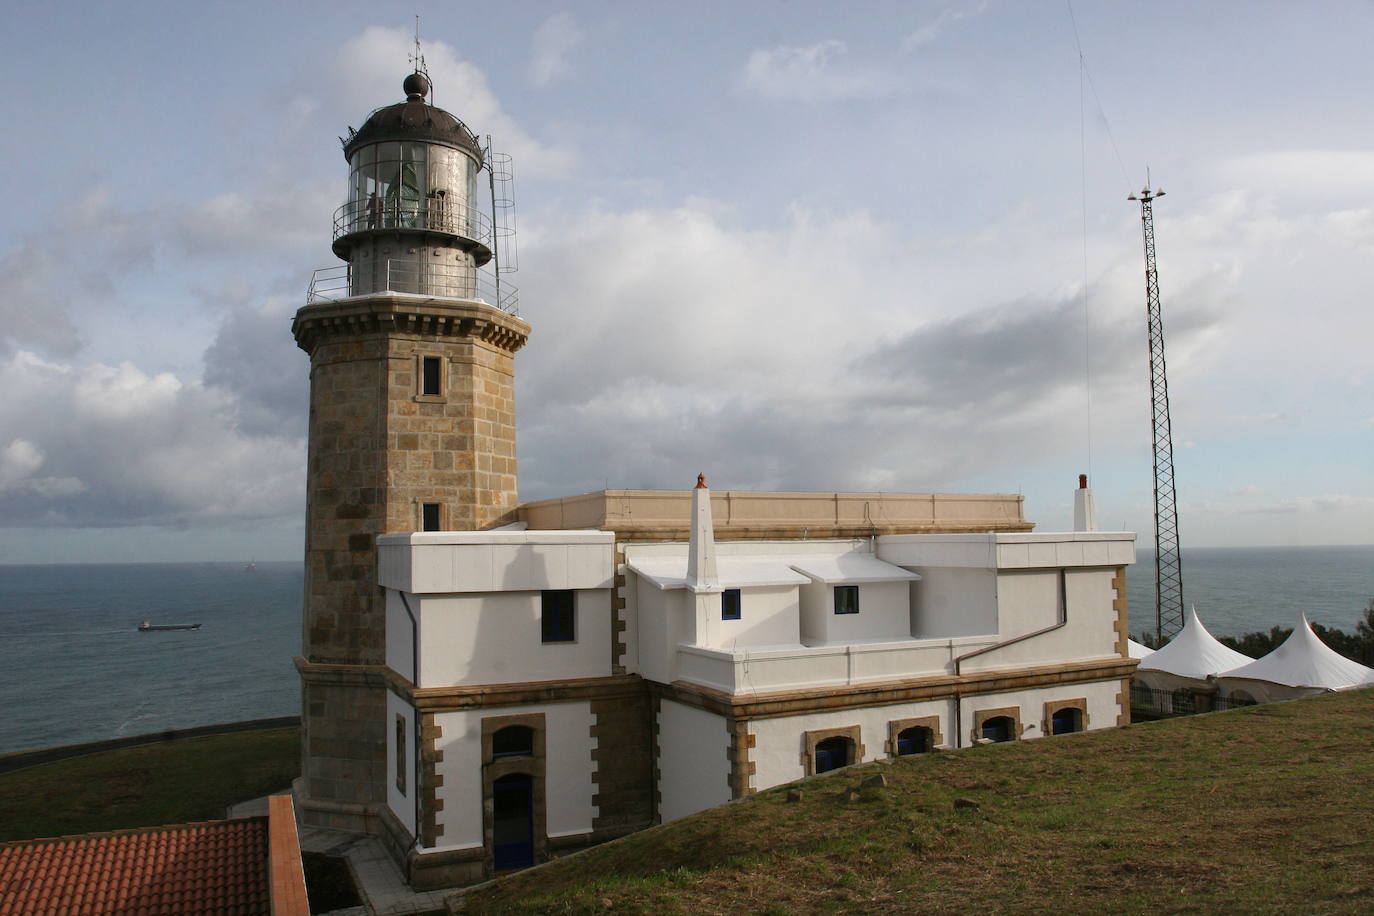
417	60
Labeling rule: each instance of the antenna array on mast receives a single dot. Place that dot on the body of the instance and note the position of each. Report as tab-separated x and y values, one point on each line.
1168	561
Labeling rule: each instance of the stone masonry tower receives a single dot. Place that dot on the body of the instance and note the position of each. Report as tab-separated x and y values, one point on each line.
412	420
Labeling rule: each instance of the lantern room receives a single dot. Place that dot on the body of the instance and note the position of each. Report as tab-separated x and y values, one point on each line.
409	223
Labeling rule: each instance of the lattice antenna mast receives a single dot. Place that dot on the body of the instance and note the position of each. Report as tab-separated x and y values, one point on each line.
1168	561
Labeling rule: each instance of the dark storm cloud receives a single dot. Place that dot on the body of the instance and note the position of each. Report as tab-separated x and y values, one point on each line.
256	361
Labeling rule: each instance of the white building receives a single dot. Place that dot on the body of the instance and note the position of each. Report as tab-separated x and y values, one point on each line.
486	682
525	662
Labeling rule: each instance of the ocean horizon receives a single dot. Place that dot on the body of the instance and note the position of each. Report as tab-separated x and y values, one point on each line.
79	670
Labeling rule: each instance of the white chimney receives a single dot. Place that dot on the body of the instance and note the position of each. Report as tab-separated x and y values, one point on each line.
1084	509
701	552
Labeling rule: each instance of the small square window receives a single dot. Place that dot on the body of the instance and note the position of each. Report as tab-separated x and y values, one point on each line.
429	517
846	599
431	376
557	615
729	604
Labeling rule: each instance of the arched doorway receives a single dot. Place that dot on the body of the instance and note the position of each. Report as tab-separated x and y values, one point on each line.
513	821
833	753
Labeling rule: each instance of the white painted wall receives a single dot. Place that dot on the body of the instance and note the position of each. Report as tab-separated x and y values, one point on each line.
568	768
1028	600
495	638
744	671
694	771
779	743
1101	696
769	616
401	805
953	601
481	561
884	613
1089	633
1010	550
399	653
661	627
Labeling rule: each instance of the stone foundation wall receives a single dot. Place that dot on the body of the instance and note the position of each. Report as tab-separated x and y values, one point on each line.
623	757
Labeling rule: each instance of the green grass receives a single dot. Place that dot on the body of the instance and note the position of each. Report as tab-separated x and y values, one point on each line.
189	779
1264	809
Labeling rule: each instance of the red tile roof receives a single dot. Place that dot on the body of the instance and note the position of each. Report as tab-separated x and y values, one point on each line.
216	867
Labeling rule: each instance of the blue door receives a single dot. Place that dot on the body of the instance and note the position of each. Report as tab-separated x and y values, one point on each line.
513	822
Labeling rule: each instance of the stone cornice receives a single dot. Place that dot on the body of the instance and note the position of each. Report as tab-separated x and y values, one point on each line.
884	693
746	706
387	316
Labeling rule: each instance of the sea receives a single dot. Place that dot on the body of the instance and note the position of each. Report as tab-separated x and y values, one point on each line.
76	668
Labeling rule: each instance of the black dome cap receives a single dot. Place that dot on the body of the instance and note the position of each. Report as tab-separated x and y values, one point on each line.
414	119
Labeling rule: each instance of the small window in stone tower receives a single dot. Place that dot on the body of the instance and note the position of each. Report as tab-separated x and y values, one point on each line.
429	517
432	376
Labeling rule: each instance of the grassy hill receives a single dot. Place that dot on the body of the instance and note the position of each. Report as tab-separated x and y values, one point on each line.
1264	809
189	779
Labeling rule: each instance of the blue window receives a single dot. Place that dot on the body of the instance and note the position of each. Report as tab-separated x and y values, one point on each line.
558	615
846	599
513	741
833	753
999	728
914	740
1066	721
729	604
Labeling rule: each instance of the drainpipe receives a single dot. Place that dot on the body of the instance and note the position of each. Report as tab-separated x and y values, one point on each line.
414	724
958	661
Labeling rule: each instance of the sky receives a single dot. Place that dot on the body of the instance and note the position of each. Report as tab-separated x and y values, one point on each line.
793	245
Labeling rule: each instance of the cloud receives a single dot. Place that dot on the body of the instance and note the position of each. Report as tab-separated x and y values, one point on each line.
365	68
43	293
553	41
1326	503
821	72
947	16
120	447
254	360
703	346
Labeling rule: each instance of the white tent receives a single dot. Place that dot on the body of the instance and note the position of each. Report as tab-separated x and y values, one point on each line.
1137	650
1305	661
1193	653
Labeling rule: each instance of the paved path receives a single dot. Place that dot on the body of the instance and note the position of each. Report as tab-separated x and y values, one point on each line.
379	881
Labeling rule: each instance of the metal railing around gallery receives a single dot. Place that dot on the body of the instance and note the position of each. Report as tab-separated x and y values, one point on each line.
440	281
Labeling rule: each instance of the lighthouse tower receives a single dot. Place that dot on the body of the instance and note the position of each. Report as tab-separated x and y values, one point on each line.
412	419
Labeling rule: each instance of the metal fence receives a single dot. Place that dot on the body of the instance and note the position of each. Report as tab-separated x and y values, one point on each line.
1153	703
415	278
398	213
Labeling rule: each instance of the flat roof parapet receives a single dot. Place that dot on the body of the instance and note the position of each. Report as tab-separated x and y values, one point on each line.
751	515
